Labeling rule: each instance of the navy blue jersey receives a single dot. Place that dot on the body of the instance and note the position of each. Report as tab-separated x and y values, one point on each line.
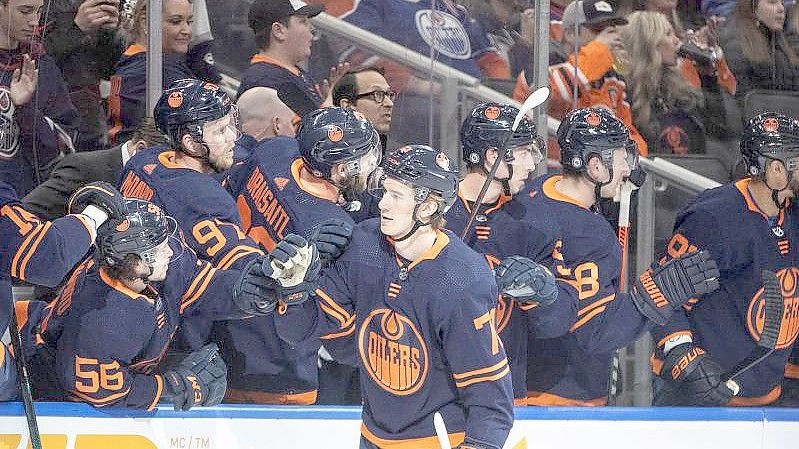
574	369
39	120
205	213
727	323
425	335
273	201
128	99
108	340
498	231
266	72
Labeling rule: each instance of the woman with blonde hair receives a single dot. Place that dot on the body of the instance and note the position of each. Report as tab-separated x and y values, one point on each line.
672	115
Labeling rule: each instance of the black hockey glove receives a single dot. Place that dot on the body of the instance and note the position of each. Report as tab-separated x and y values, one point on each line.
200	380
637	176
469	444
331	239
661	291
295	265
691	378
255	293
100	194
526	281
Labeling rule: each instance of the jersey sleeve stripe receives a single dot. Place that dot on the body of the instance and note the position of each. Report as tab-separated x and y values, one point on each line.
235	254
348	331
475	380
22	250
332	304
32	250
674	335
206	267
333	314
596	304
200	290
587	318
100	402
84	221
159	389
489	369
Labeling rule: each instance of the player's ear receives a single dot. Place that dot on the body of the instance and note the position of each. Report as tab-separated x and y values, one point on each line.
427	209
596	169
345	103
189	145
491	157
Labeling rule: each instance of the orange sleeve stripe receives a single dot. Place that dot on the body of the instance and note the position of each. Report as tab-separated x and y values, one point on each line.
332	304
333	314
349	331
596	304
159	383
21	251
792	371
586	318
32	250
475	380
21	310
235	254
200	290
206	267
489	369
674	335
102	401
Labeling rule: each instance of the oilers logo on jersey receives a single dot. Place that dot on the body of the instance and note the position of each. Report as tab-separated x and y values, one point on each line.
789	328
444	32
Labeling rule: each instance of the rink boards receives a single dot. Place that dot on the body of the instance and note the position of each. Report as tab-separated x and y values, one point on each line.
78	426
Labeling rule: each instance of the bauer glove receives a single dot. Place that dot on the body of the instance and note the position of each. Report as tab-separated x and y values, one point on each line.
526	281
200	380
691	378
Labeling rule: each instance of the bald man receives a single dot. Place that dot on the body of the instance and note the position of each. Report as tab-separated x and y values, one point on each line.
262	116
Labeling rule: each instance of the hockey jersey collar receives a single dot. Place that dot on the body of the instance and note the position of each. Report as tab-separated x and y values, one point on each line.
319	190
442	240
494	207
743	189
259	58
135	49
548	188
122	288
167	159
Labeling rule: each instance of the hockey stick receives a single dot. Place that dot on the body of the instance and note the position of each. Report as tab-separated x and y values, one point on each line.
441	431
24	380
624	240
773	308
535	99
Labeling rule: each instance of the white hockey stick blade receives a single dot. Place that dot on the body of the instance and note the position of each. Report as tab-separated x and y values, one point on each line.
441	431
624	208
535	100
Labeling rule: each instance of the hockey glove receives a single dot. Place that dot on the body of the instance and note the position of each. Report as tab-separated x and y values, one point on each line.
200	380
661	291
255	293
637	177
525	281
469	444
295	265
691	378
101	195
331	239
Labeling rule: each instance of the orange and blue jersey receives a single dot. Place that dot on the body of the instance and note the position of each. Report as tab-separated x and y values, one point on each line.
106	340
574	369
274	201
727	323
425	339
268	72
205	213
499	231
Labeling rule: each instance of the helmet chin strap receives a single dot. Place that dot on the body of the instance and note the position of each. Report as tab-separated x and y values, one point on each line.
416	224
598	188
775	195
505	182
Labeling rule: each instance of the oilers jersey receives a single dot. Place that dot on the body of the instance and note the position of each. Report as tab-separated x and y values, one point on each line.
425	338
728	322
573	369
267	72
101	343
273	201
205	213
501	230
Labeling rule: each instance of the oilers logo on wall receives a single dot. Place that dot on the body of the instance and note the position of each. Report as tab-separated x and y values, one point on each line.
393	352
789	328
444	32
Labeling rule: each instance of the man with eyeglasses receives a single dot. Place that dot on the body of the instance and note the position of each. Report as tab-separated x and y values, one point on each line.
367	91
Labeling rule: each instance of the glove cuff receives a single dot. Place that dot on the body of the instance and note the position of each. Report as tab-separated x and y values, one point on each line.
650	301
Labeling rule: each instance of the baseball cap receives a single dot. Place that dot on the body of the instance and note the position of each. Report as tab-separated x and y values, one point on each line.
263	13
592	12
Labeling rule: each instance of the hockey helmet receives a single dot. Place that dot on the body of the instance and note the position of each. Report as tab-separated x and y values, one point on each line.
144	228
770	135
588	131
187	104
488	126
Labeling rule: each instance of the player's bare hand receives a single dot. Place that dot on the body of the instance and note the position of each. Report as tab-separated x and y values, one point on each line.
93	15
24	81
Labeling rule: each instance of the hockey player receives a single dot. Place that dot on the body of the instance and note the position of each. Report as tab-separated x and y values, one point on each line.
747	226
501	229
42	253
421	309
280	190
573	369
102	339
200	121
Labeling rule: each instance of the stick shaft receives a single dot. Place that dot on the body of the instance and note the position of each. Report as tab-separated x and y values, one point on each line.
24	382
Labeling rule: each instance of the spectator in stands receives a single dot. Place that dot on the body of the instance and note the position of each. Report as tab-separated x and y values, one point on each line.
367	91
127	102
200	57
757	50
600	59
284	34
82	38
37	121
721	8
672	115
262	116
48	200
666	7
